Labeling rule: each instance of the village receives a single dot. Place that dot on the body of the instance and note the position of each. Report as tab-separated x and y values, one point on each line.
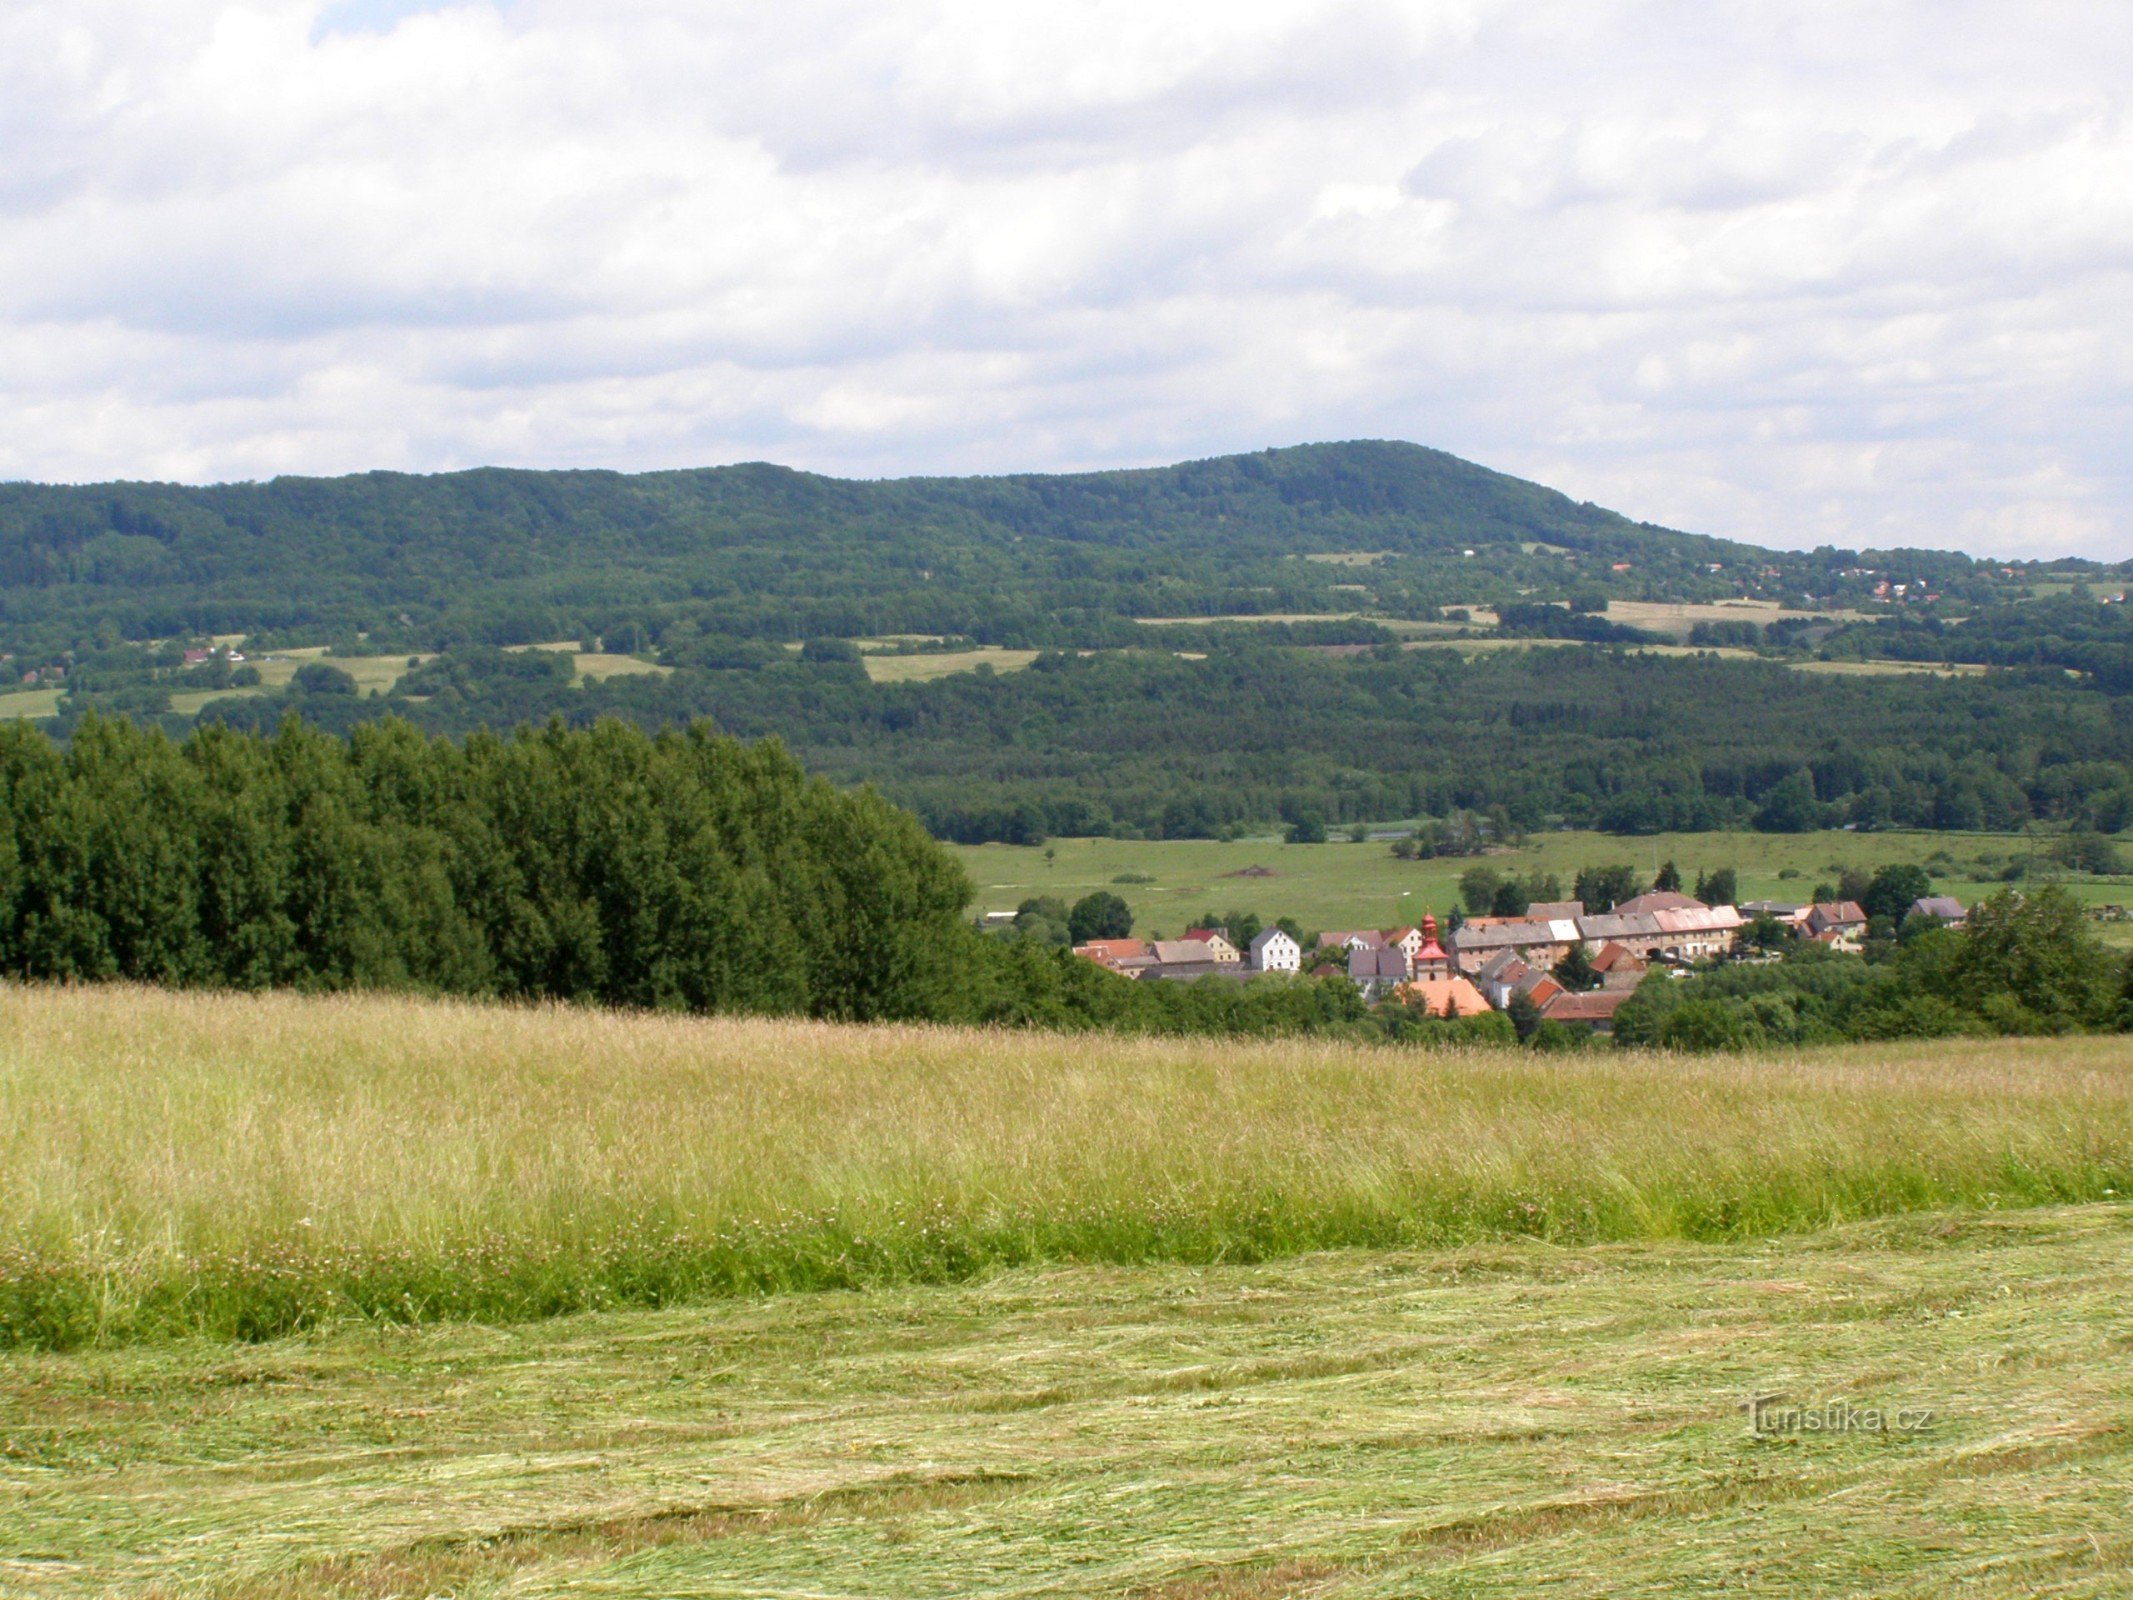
1565	964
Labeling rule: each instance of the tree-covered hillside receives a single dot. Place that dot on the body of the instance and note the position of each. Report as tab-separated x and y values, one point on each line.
757	551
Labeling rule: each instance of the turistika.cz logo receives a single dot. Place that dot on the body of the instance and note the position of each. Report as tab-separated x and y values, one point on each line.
1771	1416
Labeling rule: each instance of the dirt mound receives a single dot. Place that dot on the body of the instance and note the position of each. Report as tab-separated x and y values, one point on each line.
1252	872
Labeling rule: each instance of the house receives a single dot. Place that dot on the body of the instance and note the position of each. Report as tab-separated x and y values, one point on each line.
1555	910
1699	933
1351	939
1378	972
1840	924
1127	957
1186	952
1785	911
1182	960
1506	976
1618	968
193	658
1408	939
1443	996
1940	908
1224	951
1595	1010
1274	951
1540	944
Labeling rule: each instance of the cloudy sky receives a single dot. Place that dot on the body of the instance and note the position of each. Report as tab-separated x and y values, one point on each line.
1857	271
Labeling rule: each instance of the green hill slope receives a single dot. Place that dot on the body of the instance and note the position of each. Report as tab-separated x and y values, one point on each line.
762	551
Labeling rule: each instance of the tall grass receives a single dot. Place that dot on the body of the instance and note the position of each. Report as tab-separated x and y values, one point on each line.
244	1166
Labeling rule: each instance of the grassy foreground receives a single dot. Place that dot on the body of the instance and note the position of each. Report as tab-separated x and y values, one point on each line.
244	1166
1506	1419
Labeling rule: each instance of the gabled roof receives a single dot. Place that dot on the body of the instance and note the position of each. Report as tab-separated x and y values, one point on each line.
1698	919
1502	967
1513	935
1168	951
1555	910
1112	949
1596	1005
1658	900
1365	938
1266	936
1616	958
1434	995
1617	925
1941	907
1836	914
1387	961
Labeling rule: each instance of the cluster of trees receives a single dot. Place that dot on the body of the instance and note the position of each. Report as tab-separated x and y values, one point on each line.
2024	963
604	864
1484	891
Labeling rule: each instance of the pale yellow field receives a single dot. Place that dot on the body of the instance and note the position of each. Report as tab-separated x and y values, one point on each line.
1893	669
1661	617
613	666
30	703
925	668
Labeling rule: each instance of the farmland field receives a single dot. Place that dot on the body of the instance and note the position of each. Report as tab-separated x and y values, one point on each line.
1343	885
1187	1320
890	668
30	703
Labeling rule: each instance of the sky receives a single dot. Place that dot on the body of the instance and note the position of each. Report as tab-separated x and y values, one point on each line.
1793	271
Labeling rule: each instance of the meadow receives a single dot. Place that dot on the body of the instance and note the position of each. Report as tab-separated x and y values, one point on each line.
1347	885
240	1166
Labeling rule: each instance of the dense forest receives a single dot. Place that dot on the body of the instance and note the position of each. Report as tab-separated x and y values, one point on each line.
1148	744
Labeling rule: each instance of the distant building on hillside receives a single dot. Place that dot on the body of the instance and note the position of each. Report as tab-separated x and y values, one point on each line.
1940	908
1222	949
1377	972
1274	951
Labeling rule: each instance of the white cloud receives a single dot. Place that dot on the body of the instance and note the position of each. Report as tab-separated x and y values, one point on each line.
1795	271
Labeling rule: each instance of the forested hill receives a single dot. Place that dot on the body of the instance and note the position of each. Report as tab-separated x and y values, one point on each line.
763	552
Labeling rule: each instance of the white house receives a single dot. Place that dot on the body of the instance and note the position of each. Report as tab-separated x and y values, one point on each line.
1274	951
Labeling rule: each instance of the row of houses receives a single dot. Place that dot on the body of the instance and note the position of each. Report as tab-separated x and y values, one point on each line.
1487	962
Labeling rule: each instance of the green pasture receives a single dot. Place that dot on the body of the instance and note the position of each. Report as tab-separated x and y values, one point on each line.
1339	885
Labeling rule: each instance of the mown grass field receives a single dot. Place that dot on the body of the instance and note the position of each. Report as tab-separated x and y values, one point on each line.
1344	885
244	1166
1508	1418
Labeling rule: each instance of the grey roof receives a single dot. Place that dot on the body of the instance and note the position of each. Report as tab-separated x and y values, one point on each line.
1614	925
1267	936
1514	935
1943	907
1388	961
1555	910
